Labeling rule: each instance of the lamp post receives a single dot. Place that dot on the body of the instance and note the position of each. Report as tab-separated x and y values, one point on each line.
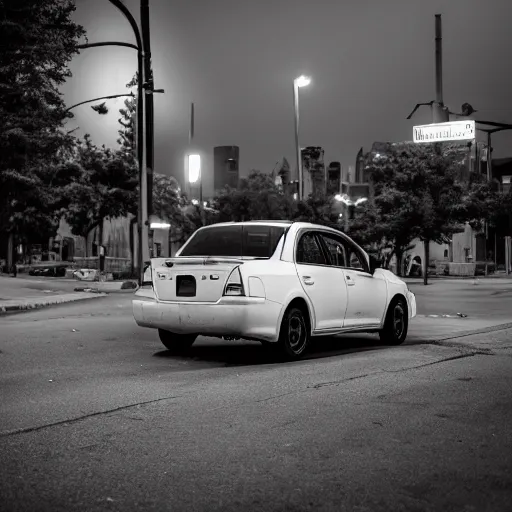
143	88
301	81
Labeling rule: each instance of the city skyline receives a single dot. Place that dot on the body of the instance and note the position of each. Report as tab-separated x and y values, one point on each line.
360	92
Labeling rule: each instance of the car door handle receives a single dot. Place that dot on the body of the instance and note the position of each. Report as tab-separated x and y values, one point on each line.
308	280
350	281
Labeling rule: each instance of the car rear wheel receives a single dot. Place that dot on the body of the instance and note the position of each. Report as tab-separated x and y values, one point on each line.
176	342
396	323
294	335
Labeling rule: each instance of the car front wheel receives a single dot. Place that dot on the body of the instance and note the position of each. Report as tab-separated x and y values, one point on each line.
294	335
396	323
176	342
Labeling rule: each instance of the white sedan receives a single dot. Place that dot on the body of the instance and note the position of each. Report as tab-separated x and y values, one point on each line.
276	282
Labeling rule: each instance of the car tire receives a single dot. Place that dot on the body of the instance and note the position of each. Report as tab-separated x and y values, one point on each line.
294	336
396	323
176	342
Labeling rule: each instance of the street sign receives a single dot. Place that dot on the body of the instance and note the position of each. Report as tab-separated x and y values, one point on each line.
442	132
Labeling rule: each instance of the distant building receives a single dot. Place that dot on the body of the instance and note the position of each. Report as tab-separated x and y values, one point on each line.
225	166
284	172
313	170
334	178
359	171
502	173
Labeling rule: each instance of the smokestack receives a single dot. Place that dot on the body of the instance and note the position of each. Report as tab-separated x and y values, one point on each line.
191	131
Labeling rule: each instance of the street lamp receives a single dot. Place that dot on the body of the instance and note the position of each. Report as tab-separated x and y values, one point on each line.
194	173
301	81
145	130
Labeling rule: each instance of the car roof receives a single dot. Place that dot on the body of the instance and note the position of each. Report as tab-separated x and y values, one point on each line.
285	223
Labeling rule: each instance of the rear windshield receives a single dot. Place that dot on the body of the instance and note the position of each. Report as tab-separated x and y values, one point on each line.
237	241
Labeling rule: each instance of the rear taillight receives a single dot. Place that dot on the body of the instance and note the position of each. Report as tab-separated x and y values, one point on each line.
235	286
147	277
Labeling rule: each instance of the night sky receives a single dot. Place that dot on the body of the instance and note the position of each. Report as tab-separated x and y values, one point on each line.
370	62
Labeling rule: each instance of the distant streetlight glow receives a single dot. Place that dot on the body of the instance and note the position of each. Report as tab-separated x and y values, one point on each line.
346	200
302	81
159	225
194	168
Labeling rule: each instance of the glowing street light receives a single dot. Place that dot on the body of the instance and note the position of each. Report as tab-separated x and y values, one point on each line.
159	225
301	81
194	168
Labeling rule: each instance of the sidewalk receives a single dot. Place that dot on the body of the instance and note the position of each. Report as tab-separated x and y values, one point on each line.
27	292
23	304
500	275
71	283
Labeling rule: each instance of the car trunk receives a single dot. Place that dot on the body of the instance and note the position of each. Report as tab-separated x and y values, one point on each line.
191	279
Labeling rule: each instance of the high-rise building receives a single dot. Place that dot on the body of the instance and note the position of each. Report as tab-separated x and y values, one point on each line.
225	166
334	178
313	170
359	172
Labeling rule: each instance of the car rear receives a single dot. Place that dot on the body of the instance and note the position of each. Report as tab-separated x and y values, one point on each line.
209	287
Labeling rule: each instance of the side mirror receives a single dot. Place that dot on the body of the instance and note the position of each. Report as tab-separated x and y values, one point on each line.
374	264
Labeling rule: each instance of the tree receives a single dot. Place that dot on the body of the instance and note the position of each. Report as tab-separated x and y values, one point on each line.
419	191
127	120
257	197
105	188
170	205
318	209
381	231
37	40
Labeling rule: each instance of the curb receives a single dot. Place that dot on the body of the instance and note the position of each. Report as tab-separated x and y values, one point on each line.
90	289
32	304
456	278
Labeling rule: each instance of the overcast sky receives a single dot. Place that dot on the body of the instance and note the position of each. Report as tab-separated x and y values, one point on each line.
370	62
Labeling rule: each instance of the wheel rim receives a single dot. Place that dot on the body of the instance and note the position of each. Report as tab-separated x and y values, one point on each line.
398	321
296	333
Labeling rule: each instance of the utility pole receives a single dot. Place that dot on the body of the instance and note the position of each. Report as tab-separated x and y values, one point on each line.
149	88
439	111
297	145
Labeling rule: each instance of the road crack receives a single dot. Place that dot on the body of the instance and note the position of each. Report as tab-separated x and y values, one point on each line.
71	421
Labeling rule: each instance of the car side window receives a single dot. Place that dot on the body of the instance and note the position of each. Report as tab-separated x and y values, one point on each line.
355	261
309	251
336	251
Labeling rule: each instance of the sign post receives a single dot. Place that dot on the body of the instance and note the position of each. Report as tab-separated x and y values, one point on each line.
443	132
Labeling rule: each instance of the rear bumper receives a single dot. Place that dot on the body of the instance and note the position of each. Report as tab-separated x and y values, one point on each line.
244	317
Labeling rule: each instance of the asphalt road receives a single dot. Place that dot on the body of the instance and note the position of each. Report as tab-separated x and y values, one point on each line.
95	415
476	298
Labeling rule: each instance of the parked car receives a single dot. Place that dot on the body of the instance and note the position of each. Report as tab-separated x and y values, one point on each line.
280	283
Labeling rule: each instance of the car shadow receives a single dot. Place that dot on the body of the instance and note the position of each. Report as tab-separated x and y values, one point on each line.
225	353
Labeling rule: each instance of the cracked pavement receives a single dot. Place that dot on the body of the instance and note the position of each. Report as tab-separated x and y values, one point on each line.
95	415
